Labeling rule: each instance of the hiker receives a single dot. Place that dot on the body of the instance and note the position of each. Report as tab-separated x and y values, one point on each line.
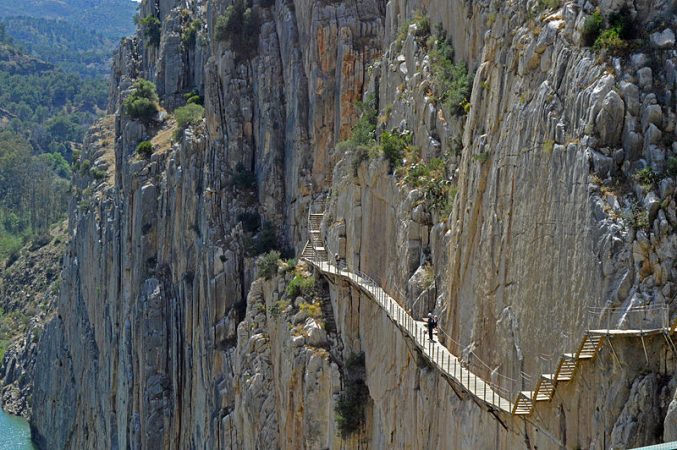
431	325
337	258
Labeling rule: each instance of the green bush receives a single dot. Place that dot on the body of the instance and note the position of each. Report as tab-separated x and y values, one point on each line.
239	26
393	146
422	26
142	103
592	28
646	177
189	33
151	27
144	149
431	179
672	166
549	4
300	286
243	179
189	115
97	174
267	264
353	398
451	81
264	241
621	29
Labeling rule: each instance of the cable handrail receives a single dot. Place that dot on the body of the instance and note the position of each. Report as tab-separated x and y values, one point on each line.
494	392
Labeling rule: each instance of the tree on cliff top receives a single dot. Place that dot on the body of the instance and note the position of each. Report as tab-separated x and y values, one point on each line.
239	26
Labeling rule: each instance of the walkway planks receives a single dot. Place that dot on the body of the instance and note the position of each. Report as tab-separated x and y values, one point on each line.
440	357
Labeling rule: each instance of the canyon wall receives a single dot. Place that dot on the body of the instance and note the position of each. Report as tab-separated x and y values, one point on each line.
166	335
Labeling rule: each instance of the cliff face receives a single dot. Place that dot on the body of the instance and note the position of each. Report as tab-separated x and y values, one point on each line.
166	337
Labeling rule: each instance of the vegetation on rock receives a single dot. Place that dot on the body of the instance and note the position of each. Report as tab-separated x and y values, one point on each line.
142	103
353	397
239	26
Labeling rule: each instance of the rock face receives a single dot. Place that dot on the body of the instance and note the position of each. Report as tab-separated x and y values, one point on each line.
29	284
563	172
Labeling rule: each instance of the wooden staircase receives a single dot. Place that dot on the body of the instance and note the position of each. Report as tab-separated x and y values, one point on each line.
565	372
524	403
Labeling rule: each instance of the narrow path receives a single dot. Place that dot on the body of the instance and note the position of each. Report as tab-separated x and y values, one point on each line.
493	396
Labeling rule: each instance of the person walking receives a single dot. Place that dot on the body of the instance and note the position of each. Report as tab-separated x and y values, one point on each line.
431	325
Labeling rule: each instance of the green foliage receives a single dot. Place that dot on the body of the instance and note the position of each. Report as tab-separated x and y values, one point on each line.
142	103
189	33
33	191
592	28
422	26
313	310
481	157
243	179
353	398
646	177
431	179
278	307
672	166
111	18
267	264
393	146
548	146
300	286
264	241
616	36
362	140
151	27
451	81
239	26
70	46
144	149
549	4
193	97
189	115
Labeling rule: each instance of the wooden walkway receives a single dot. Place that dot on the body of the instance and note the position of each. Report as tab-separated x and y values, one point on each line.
460	374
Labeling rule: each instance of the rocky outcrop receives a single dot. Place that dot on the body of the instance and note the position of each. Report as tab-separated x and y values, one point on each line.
29	285
563	176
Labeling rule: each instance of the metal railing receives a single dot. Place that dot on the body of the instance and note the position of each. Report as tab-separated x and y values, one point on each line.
642	318
460	362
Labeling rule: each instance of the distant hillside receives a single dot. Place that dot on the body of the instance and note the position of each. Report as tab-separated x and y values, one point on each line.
69	46
111	18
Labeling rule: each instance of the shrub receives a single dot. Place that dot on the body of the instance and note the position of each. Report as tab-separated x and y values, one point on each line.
267	264
97	174
189	115
621	29
251	221
451	81
144	149
646	177
264	241
313	310
353	398
548	146
393	146
239	26
431	179
300	286
672	166
243	179
549	4
592	28
151	29
189	33
422	26
278	307
141	104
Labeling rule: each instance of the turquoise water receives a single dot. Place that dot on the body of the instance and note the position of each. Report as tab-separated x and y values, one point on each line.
15	433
